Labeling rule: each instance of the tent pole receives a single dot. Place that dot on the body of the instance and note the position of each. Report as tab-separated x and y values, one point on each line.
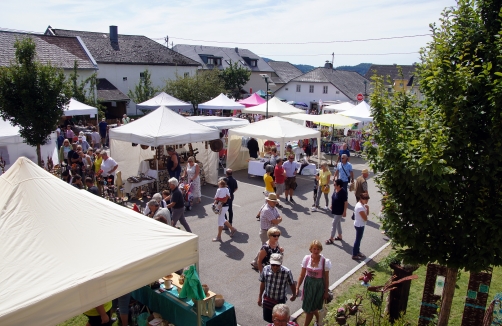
158	180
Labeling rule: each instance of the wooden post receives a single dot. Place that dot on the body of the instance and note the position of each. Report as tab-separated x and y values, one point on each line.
429	308
398	298
448	292
476	299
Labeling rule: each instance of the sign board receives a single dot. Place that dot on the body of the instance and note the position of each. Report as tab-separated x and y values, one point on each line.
360	97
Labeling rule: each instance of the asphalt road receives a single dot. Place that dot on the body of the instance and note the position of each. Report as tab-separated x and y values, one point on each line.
225	266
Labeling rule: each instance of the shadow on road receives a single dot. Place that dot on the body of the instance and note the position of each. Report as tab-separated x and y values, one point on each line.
230	250
240	237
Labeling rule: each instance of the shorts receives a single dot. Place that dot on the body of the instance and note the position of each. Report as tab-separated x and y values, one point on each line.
221	217
291	183
96	320
279	188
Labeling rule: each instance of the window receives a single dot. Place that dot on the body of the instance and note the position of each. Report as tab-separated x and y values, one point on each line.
325	89
210	61
217	61
142	75
253	63
337	92
286	88
401	84
311	89
186	74
124	78
298	88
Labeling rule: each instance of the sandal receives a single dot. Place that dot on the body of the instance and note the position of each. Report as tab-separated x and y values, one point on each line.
329	241
338	239
216	239
233	232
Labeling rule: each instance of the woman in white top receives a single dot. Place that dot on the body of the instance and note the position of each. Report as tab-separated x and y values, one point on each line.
315	272
221	198
361	213
192	173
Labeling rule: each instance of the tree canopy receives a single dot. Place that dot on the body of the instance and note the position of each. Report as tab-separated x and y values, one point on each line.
234	77
32	95
202	87
85	90
144	90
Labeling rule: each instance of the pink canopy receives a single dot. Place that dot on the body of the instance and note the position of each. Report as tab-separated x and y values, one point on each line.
253	100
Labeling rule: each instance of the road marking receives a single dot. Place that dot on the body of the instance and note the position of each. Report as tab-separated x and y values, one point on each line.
213	198
297	313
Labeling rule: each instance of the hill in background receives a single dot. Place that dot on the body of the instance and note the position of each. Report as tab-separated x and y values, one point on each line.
361	68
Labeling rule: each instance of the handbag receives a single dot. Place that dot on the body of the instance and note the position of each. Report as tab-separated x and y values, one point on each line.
352	186
269	303
325	189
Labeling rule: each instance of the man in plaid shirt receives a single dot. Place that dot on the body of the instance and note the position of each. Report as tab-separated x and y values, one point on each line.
274	280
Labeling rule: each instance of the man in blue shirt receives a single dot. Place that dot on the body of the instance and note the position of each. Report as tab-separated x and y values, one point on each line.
344	171
102	130
344	150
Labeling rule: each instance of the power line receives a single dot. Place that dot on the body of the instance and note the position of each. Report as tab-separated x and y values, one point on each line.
298	43
336	54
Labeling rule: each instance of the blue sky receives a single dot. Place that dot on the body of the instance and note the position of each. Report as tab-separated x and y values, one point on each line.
259	21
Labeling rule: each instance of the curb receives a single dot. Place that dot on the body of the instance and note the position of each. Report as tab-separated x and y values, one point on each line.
297	313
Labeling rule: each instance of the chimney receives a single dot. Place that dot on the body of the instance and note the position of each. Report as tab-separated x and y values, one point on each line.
236	50
114	34
328	65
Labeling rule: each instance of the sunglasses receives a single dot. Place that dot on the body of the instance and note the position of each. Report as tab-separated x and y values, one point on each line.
275	235
274	265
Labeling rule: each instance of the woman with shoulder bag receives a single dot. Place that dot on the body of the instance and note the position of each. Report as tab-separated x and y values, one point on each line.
221	198
323	187
270	247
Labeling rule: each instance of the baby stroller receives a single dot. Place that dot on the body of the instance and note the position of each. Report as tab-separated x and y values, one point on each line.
186	190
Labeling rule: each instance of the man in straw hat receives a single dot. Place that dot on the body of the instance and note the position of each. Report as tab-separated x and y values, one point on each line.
269	216
361	184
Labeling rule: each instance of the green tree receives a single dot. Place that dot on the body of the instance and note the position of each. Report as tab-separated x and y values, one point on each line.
144	90
32	95
234	77
85	90
439	162
202	87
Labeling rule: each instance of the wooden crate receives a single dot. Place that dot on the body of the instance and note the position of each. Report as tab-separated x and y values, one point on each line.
205	307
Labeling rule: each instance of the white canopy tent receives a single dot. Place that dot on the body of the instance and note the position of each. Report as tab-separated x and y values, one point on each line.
58	265
12	145
161	127
75	107
323	119
219	122
361	112
276	129
276	108
221	102
338	107
164	99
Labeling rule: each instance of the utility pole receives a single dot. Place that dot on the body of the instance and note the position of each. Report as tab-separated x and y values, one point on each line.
332	59
166	39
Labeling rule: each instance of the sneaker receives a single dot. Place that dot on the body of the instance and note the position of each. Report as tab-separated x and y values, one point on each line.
326	207
313	209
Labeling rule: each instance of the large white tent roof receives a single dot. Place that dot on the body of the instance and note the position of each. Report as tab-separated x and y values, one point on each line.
339	107
57	263
219	122
221	102
361	112
163	127
164	99
9	134
323	119
276	108
75	107
277	129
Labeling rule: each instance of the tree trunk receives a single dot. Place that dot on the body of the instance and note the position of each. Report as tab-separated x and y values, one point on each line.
447	298
39	155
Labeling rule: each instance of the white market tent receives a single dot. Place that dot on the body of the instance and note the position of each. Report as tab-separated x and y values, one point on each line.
57	265
219	122
276	108
361	112
161	127
12	145
339	107
323	119
276	129
164	99
221	102
75	107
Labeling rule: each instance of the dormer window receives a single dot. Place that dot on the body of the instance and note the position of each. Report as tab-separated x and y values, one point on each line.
210	61
253	63
217	61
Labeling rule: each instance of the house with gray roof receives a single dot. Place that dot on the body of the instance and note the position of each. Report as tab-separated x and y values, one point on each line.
61	52
326	84
122	59
285	71
211	57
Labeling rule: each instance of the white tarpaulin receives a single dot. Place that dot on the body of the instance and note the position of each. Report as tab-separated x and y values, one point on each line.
164	99
361	112
75	107
276	108
221	102
219	122
160	127
12	145
337	107
323	119
276	129
57	264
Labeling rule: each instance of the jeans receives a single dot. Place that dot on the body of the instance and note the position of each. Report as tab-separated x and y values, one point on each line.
318	197
230	212
357	242
336	226
345	185
179	215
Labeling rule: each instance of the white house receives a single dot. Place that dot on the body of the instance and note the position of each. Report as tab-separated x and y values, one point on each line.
121	61
210	57
326	84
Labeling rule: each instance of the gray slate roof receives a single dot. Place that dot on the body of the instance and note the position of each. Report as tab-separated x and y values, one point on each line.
349	83
131	49
108	92
226	54
285	71
61	52
392	71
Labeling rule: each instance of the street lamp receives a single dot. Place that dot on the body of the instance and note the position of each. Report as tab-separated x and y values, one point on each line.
267	80
365	94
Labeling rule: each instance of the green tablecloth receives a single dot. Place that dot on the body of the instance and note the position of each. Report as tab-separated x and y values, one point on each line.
180	311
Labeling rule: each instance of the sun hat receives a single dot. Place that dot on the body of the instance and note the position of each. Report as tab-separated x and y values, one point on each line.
364	171
276	259
271	197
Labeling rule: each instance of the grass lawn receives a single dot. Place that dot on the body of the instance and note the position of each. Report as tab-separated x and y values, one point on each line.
351	287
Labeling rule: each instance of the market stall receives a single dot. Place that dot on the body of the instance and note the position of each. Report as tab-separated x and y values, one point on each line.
361	112
275	108
253	100
75	107
59	265
276	129
13	146
164	99
221	102
159	128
